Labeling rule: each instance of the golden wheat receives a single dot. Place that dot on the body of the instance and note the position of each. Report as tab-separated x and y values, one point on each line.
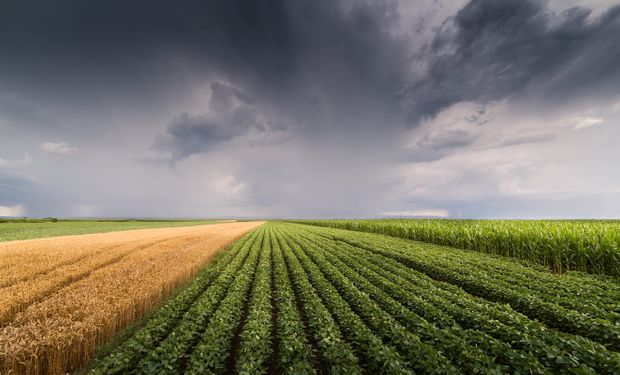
54	328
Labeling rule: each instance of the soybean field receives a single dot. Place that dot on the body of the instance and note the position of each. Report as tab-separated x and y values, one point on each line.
298	299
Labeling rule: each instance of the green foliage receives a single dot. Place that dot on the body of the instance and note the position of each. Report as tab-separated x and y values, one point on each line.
255	347
378	357
335	352
561	245
211	353
298	299
294	352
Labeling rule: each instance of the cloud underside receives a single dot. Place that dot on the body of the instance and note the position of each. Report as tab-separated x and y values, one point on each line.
57	148
492	50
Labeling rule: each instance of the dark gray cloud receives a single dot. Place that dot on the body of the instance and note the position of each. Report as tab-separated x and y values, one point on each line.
13	108
231	114
494	49
10	182
286	51
297	107
319	63
12	188
187	135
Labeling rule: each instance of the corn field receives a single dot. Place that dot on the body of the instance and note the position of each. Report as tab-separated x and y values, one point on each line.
561	245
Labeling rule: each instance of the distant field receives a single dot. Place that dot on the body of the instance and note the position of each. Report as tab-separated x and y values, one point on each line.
591	246
20	229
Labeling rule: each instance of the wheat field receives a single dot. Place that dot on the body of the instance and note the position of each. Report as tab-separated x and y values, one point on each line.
62	297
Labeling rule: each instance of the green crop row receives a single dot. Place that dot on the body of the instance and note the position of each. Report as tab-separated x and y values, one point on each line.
336	355
377	356
256	338
522	344
294	349
298	299
596	317
212	352
462	352
561	245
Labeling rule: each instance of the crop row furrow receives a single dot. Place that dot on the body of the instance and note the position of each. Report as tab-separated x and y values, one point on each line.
336	354
255	348
213	351
170	355
463	348
555	316
368	326
295	354
554	349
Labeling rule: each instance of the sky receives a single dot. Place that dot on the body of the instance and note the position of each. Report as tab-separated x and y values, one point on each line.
310	109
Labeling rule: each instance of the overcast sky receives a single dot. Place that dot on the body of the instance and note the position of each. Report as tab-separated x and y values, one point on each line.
310	108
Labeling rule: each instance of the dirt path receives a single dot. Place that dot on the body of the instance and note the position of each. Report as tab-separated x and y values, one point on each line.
61	297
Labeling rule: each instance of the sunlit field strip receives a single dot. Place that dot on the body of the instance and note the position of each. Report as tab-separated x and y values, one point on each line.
24	259
24	229
43	282
44	266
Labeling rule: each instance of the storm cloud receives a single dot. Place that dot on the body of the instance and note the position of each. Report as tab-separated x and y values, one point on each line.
493	49
307	108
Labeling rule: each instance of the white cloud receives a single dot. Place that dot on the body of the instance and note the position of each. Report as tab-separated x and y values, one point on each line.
468	127
12	211
586	122
431	212
11	164
227	185
521	157
57	148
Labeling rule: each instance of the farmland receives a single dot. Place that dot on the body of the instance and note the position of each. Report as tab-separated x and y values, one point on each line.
62	297
25	229
591	246
298	299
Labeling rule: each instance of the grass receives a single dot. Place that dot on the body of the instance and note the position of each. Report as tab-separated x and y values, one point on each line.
25	229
